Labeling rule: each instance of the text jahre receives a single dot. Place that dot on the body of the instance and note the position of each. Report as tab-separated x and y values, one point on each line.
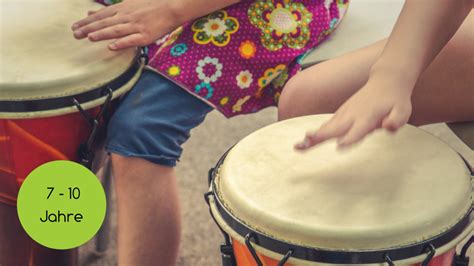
61	217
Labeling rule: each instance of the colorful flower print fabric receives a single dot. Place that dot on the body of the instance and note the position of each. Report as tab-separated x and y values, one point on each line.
239	59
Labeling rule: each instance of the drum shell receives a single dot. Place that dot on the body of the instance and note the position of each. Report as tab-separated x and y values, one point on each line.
243	257
28	143
24	145
17	248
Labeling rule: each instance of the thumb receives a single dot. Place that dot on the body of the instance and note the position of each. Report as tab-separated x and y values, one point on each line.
396	119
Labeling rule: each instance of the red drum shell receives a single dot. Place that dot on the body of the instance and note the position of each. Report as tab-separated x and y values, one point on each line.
25	145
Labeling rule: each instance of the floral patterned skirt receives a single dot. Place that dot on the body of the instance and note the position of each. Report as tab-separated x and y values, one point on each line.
238	59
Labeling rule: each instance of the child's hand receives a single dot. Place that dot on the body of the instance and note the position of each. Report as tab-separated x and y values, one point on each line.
132	23
381	103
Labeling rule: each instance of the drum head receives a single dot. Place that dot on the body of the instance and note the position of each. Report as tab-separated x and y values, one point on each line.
387	192
40	58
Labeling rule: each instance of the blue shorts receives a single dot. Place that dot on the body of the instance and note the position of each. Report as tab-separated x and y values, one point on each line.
154	119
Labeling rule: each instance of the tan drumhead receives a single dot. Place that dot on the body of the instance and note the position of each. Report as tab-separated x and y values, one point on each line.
40	58
387	192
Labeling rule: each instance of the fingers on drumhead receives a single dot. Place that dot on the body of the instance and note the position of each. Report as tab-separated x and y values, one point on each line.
94	16
336	127
357	132
395	119
132	40
113	32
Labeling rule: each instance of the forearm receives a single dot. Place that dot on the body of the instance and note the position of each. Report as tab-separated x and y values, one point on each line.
186	10
422	30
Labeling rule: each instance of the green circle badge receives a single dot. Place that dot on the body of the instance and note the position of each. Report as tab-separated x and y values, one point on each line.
61	205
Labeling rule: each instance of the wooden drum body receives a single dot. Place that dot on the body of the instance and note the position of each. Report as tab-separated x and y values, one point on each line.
54	94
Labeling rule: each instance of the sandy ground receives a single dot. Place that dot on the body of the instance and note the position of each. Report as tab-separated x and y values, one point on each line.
200	241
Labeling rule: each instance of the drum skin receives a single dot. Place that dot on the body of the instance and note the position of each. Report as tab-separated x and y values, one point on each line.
391	192
40	68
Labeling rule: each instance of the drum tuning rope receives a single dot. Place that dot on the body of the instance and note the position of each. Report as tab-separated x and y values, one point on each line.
207	196
210	177
85	151
227	251
144	55
469	167
430	249
466	246
249	245
462	259
431	252
389	260
285	258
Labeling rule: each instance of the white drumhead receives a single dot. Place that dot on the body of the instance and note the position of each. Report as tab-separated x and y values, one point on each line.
388	191
40	58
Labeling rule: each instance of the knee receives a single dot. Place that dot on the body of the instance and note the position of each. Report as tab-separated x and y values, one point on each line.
299	98
288	100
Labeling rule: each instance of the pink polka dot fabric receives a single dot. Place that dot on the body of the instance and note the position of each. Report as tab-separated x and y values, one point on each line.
239	59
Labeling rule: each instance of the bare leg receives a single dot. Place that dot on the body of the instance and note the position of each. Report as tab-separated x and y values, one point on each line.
444	92
148	212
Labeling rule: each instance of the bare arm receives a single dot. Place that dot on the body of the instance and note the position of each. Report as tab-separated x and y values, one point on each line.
423	28
191	9
140	22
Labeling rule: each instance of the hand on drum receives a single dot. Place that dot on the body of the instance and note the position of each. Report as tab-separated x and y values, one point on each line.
129	24
383	102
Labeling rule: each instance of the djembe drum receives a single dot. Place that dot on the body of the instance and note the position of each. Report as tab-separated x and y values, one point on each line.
402	199
54	95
